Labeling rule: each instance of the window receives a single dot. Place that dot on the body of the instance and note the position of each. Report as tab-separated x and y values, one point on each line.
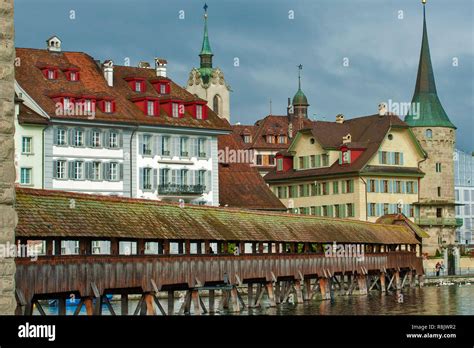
26	143
466	195
313	161
349	186
184	177
215	104
411	210
398	186
108	106
150	108
78	170
199	112
138	86
88	105
162	89
61	137
301	163
386	208
201	147
61	169
384	157
456	193
439	191
51	74
95	138
165	146
147	172
439	212
25	176
259	160
282	139
164	176
279	164
184	147
95	171
325	159
325	210
397	158
113	140
372	185
438	167
325	188
175	109
270	139
385	186
371	211
79	138
337	211
346	157
146	145
66	104
467	210
72	76
410	187
113	171
247	139
350	209
429	133
271	160
201	177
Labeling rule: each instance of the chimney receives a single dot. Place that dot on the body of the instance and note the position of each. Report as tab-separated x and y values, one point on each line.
108	68
382	109
144	65
53	44
160	67
347	139
340	118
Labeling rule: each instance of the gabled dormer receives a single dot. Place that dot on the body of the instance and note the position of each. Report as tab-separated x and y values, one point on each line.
137	84
197	109
284	161
72	74
106	105
174	107
49	72
150	106
161	85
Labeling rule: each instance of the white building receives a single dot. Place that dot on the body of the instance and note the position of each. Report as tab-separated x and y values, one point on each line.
464	195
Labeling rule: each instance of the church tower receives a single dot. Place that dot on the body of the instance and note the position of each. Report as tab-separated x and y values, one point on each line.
437	135
207	82
300	102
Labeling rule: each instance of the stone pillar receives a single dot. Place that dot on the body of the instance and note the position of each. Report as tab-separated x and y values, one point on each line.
8	217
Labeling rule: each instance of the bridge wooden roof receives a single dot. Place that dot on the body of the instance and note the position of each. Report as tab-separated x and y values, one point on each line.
44	213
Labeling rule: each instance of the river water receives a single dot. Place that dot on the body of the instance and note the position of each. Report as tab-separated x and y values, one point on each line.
431	300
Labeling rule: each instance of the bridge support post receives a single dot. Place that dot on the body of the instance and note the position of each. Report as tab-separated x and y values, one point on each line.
308	292
277	292
124	304
250	300
382	281
197	305
150	309
323	286
362	282
299	292
170	302
235	300
89	306
397	280
271	294
212	299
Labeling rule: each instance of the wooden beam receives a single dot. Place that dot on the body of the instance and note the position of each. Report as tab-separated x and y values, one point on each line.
170	302
89	306
76	312
62	306
271	294
299	292
124	304
197	305
212	298
382	281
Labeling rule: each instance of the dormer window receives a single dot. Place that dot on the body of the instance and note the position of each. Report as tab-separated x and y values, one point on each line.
247	138
107	106
162	88
282	139
88	105
175	110
199	112
345	157
270	139
72	74
51	74
66	103
150	108
138	86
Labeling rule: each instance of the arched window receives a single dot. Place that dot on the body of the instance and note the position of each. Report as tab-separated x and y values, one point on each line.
429	133
215	104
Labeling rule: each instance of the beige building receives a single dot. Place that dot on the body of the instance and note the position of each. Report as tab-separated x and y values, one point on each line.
361	169
437	135
208	83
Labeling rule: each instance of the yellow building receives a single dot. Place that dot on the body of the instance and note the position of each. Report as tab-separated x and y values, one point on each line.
360	168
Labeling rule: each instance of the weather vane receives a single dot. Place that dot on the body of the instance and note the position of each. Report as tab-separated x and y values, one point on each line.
205	7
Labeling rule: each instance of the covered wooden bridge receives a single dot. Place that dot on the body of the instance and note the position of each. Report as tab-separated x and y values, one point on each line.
91	246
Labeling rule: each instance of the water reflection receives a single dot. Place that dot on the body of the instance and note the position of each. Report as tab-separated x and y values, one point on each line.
444	300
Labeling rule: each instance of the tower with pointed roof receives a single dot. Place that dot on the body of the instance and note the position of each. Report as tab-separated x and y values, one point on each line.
208	82
437	135
300	102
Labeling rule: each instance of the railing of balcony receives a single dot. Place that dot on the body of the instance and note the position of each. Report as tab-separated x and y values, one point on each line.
439	221
173	189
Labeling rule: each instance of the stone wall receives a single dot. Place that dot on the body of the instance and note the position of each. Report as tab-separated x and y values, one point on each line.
8	218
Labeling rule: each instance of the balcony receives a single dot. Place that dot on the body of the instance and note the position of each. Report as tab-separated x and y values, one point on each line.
457	222
181	190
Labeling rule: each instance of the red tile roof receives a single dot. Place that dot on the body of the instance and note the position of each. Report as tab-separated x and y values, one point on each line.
92	82
28	116
240	184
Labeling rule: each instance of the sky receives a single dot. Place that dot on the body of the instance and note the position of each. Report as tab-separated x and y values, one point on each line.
355	54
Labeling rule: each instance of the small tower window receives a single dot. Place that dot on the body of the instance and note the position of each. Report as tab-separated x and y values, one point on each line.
429	133
215	104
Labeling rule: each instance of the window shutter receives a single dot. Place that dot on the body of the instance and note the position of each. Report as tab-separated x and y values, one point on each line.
207	147
120	139
120	171
173	176
415	185
318	161
71	133
88	137
154	181
376	184
55	169
401	158
208	180
140	144
318	211
178	177
380	157
106	142
191	177
88	166
70	167
306	162
348	156
340	157
343	187
106	171
402	183
369	210
390	186
158	145
140	178
55	134
342	210
193	147
330	210
351	186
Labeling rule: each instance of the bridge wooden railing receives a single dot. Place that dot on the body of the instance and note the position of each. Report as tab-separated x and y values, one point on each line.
75	273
